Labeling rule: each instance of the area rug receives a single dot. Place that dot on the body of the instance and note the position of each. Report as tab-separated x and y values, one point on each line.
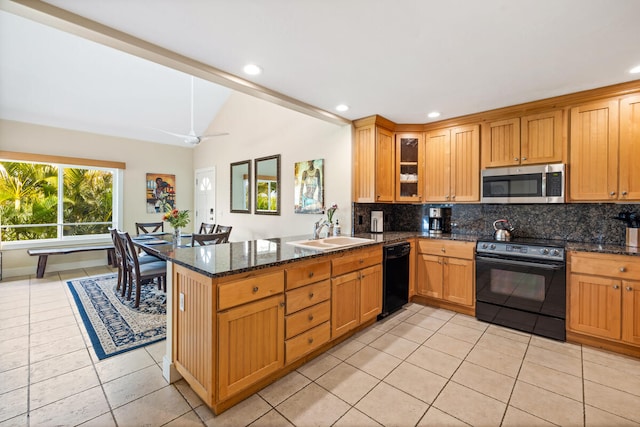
114	326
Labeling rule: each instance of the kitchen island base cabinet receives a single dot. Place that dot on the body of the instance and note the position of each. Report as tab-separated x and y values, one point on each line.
604	301
234	335
194	331
251	344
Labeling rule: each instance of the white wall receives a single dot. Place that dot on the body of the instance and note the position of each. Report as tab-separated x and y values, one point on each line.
257	129
140	157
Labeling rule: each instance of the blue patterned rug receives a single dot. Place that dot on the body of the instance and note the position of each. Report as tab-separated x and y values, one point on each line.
114	326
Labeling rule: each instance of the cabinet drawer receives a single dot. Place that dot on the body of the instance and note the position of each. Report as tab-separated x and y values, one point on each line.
307	319
307	296
351	261
307	273
250	288
619	266
307	342
446	248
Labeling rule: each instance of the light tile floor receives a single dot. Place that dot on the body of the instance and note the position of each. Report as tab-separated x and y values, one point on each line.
422	366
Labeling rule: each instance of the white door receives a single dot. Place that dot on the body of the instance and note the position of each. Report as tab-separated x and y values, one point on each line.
205	198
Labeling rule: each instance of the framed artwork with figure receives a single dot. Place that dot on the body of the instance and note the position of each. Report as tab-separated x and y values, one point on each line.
161	193
309	186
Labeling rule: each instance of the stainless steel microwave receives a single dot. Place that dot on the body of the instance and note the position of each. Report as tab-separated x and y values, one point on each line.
524	184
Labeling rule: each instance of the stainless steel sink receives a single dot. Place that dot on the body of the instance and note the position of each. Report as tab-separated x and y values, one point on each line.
331	243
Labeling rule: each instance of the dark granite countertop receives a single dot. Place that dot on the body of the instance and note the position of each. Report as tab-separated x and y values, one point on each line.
237	257
603	249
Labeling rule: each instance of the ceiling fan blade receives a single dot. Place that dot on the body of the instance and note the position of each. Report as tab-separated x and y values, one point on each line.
179	135
213	135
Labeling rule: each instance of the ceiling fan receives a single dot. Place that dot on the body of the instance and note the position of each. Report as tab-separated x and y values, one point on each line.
191	138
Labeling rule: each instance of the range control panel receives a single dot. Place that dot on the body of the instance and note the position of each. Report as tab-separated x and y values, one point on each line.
521	250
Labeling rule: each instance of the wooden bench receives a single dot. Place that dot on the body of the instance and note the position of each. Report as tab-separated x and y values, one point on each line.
43	254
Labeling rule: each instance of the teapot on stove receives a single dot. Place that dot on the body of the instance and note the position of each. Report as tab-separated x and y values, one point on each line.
502	229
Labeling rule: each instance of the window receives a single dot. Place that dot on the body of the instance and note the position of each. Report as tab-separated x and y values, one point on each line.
40	201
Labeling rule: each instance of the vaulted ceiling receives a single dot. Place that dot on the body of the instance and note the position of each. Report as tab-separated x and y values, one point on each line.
398	58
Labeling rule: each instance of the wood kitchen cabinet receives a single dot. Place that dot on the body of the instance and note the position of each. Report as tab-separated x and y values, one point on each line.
629	178
308	308
251	330
452	165
446	274
604	298
526	140
409	166
593	171
356	289
373	158
251	344
605	147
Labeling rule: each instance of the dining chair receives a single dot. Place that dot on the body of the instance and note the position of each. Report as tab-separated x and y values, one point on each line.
207	228
138	273
144	227
120	260
204	239
223	228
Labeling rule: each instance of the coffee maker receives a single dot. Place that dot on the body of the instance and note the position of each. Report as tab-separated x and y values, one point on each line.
439	219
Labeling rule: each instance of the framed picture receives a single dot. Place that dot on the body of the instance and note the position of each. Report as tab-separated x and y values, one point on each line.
309	186
161	192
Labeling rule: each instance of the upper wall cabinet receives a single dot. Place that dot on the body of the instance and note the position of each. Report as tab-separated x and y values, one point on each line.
629	179
373	156
527	140
409	167
593	172
452	165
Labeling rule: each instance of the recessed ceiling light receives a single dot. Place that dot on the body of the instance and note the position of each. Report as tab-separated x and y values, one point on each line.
252	69
635	69
433	114
342	107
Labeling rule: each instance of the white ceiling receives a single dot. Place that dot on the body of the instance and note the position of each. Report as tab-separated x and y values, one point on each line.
397	58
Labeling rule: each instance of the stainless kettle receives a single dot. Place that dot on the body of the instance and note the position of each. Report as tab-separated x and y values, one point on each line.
503	233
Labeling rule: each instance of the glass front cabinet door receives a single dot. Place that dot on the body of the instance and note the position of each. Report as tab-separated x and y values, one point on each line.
409	164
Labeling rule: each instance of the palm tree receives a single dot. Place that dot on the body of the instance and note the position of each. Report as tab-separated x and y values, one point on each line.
28	195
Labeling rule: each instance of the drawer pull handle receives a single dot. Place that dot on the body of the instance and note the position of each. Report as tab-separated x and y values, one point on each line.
255	289
311	274
361	261
311	318
282	304
442	249
623	269
629	288
310	340
310	295
616	287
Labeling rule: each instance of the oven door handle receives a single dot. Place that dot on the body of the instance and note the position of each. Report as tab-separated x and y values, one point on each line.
555	266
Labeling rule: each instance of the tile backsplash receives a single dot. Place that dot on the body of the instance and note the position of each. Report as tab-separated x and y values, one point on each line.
574	222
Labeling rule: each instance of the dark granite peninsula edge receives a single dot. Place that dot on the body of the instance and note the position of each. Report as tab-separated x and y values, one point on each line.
237	257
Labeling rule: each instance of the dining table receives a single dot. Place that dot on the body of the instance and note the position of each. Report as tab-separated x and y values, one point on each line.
154	243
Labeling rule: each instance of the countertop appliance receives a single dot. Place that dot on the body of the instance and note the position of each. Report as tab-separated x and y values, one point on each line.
524	184
377	221
503	232
439	219
395	277
522	285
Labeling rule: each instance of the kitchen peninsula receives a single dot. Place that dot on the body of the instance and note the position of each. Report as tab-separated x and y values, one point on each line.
247	313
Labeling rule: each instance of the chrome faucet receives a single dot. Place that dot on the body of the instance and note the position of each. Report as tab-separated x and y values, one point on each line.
318	227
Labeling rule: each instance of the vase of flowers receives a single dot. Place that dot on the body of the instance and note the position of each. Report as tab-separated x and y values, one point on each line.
178	220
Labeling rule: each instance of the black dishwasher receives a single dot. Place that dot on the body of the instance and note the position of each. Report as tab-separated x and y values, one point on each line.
395	277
